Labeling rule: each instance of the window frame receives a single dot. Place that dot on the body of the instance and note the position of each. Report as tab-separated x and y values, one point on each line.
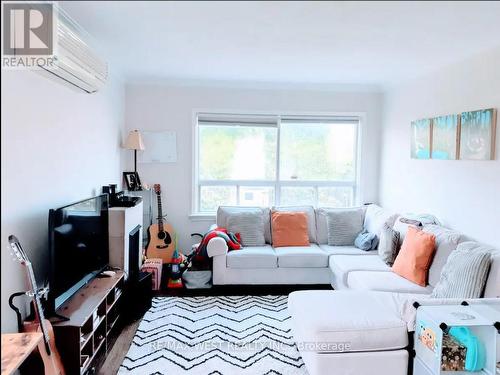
277	184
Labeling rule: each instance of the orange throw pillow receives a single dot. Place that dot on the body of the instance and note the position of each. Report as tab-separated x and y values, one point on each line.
415	256
289	229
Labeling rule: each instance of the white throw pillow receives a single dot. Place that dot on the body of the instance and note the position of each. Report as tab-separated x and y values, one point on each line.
376	217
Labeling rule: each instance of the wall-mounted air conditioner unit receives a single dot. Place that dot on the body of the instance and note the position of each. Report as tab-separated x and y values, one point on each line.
75	61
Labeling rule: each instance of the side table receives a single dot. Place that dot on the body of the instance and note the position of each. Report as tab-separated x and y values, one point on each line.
16	347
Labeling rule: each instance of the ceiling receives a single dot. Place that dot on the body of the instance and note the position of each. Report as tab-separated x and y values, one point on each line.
370	43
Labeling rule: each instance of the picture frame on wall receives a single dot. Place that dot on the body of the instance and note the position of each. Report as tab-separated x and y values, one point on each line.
132	181
421	136
445	137
477	134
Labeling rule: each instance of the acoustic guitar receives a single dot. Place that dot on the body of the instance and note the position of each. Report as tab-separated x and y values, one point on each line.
162	238
51	360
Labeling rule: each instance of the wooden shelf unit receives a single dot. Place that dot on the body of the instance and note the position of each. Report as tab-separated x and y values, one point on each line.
93	313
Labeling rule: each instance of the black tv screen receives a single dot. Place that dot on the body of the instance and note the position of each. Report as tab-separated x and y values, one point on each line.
78	242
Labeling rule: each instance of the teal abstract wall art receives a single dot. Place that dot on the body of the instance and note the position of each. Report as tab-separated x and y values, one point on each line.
477	134
421	139
445	137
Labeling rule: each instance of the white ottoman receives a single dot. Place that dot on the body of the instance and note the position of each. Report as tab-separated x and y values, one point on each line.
348	332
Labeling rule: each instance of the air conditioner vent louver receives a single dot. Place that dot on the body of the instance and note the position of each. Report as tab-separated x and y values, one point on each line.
75	61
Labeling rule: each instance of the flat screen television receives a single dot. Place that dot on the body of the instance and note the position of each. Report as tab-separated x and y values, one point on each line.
79	249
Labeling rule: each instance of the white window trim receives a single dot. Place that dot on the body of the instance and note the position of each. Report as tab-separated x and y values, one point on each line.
196	215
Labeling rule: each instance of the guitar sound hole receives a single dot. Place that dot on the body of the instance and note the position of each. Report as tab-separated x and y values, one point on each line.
165	236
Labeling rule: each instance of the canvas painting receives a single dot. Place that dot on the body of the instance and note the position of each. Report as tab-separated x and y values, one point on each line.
421	139
477	135
445	137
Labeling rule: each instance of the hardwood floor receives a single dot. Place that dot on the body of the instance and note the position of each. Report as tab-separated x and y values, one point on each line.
117	353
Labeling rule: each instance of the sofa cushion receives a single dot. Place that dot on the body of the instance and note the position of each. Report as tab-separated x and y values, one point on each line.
223	212
384	282
388	246
492	289
289	229
447	240
346	250
344	226
252	257
376	217
366	241
249	225
415	257
321	225
301	256
465	272
311	219
346	321
341	265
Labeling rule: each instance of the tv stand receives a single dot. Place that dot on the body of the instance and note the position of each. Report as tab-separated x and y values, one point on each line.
92	315
58	316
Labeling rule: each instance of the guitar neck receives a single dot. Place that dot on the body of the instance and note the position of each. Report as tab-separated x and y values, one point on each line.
160	213
37	305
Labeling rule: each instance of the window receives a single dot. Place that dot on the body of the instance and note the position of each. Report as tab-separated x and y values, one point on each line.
275	160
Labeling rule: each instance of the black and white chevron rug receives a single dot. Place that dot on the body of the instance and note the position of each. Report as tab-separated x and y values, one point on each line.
215	335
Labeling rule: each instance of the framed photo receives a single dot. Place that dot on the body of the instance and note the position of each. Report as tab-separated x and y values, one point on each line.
132	181
445	137
421	139
477	134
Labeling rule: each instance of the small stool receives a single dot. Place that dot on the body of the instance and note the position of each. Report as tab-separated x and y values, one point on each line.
154	266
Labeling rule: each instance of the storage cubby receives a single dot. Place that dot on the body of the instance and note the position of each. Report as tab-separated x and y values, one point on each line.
433	322
93	313
112	317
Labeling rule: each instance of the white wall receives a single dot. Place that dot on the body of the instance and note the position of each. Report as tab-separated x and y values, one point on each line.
170	107
465	195
59	145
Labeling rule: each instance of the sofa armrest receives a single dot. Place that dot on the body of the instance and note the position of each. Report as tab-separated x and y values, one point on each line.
217	246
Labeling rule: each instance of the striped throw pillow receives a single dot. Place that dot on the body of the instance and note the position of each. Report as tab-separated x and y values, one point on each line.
249	225
465	273
344	226
388	246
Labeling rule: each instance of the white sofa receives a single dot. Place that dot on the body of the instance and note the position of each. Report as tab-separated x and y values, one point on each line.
362	327
285	265
372	310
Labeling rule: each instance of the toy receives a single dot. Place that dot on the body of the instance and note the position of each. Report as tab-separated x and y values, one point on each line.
475	358
177	266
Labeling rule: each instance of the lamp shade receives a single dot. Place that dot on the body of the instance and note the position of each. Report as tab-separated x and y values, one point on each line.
134	141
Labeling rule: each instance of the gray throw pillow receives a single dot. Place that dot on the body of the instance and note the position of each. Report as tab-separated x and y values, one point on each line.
465	273
388	245
344	226
249	225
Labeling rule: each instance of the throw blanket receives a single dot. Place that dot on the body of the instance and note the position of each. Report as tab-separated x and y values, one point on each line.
233	240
